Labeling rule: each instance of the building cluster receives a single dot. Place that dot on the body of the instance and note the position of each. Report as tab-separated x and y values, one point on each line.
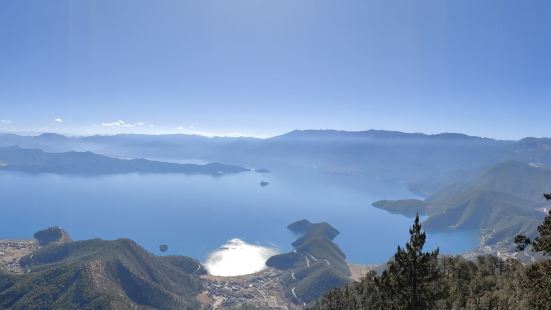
260	290
11	252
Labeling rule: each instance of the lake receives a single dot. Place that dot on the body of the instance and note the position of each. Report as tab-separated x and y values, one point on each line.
194	215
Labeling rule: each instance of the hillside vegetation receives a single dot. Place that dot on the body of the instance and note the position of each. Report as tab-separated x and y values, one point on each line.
100	274
500	203
315	265
422	280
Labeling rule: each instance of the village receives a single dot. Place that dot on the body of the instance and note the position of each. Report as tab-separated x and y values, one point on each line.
11	252
263	290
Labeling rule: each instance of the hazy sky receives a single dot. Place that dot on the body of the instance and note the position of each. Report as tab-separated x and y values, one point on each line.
263	67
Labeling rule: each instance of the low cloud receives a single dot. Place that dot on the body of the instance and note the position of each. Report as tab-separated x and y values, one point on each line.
5	121
58	120
121	123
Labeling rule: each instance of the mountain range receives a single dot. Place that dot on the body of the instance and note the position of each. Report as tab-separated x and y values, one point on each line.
425	162
15	158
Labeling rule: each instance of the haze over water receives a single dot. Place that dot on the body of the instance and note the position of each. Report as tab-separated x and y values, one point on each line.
195	215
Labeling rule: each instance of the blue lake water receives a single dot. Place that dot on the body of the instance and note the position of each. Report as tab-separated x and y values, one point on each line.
194	215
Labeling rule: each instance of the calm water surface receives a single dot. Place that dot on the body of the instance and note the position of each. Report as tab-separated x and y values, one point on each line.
196	214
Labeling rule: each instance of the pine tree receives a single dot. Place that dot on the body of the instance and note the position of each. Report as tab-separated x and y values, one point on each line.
411	280
542	243
537	281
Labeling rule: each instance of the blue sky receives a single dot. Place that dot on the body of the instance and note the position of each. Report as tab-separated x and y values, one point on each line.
264	67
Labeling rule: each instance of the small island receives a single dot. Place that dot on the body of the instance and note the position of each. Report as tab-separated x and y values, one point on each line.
262	170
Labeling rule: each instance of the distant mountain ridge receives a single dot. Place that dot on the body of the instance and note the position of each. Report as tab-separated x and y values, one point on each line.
426	163
15	158
446	152
374	133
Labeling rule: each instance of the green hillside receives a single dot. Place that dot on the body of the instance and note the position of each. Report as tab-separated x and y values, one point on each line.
99	274
315	265
414	279
502	202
